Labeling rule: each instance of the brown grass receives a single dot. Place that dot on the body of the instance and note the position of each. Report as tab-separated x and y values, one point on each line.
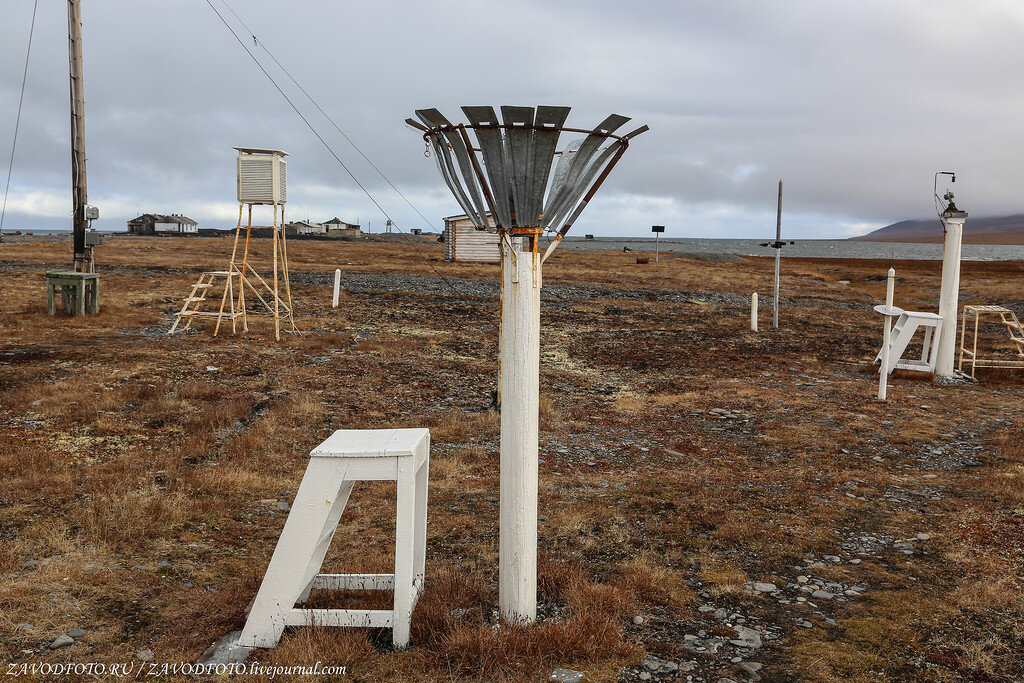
131	470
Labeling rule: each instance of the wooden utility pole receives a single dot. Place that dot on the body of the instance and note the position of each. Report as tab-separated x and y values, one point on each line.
80	196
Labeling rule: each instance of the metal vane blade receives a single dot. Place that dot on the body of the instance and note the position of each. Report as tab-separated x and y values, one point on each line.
466	192
488	135
545	139
518	144
633	134
557	199
582	182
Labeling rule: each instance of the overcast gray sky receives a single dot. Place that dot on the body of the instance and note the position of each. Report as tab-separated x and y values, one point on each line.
854	104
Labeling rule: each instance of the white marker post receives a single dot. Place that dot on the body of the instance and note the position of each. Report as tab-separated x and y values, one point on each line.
887	311
519	383
337	287
778	258
753	312
949	294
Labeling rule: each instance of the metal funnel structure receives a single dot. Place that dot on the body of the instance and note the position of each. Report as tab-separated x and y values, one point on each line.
508	180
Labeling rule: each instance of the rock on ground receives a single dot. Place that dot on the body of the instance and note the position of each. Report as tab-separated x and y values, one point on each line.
747	637
659	666
62	640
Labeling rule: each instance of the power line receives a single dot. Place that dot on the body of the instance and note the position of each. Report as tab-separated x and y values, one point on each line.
319	137
17	122
325	114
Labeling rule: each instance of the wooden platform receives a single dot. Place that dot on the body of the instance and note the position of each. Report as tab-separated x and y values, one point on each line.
79	292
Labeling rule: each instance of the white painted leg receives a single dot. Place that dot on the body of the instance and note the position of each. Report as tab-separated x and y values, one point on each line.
934	346
302	532
927	346
404	532
331	527
420	538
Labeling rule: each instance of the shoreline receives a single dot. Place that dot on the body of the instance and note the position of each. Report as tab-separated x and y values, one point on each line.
718	249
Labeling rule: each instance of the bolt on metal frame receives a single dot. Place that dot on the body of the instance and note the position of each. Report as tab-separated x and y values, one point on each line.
510	172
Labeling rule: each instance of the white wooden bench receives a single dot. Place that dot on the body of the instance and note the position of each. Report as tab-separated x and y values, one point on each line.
903	332
347	456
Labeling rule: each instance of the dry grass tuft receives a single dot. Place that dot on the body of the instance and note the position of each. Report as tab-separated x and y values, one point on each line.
723	576
134	518
654	582
629	403
453	629
458	426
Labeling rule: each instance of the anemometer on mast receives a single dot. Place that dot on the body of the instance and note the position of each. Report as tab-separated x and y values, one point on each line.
948	197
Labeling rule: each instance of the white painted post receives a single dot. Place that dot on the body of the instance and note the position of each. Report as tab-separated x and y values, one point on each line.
753	312
337	286
520	413
778	258
883	370
949	294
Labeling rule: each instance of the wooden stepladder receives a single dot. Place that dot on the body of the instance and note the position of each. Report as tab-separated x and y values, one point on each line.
194	301
240	276
347	456
907	325
1013	326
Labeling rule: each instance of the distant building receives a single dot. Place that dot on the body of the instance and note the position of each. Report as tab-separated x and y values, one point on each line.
305	228
332	228
155	223
340	227
464	242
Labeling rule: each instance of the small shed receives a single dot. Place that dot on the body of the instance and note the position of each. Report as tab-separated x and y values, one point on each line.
156	223
464	242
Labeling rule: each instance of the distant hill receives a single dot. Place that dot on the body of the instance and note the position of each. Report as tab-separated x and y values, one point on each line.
991	230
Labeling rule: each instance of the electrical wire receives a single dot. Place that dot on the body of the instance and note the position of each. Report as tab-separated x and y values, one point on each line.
327	116
17	122
319	137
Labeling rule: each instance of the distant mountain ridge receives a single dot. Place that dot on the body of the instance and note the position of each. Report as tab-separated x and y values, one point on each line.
983	230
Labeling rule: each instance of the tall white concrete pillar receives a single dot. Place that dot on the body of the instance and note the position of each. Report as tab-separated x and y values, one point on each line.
520	412
949	294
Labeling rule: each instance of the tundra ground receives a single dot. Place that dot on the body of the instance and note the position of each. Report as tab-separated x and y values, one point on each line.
744	494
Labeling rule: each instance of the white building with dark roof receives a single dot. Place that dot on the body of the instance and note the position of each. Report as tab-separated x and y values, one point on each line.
161	224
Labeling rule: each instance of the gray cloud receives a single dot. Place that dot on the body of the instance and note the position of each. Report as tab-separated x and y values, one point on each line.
855	105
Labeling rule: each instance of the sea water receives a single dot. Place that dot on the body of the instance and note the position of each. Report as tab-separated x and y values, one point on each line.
802	248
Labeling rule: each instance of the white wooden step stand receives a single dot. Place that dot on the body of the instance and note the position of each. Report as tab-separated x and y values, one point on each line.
347	456
903	332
